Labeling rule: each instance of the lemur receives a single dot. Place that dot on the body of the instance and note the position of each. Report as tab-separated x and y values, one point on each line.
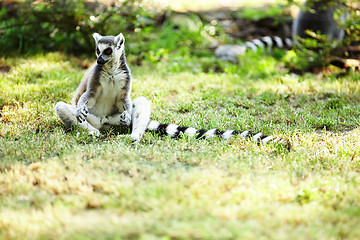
318	17
102	99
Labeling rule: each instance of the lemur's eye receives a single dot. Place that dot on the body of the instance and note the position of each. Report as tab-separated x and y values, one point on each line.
108	51
97	51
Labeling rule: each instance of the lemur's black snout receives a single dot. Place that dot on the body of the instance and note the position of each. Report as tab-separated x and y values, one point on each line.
101	60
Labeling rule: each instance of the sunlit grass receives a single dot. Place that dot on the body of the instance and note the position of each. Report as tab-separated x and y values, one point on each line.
64	185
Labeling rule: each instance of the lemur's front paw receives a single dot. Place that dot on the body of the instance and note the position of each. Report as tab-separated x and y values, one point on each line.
81	113
125	118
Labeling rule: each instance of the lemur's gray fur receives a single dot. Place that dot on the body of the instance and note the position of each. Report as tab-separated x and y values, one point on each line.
103	99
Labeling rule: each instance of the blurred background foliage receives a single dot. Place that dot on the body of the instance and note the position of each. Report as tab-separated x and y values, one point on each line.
30	27
33	26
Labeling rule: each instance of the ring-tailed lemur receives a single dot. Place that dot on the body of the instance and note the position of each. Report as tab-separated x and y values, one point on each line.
319	18
103	99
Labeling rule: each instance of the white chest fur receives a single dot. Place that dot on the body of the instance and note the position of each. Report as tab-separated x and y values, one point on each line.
111	93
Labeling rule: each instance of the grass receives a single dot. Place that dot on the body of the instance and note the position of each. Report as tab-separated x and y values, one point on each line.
67	185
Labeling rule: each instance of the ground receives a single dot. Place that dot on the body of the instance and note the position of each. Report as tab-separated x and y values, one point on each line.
57	184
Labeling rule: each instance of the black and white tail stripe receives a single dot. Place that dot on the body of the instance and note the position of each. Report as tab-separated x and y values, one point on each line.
269	42
231	52
175	131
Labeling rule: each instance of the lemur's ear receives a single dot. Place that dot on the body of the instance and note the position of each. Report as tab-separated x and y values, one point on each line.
96	37
119	40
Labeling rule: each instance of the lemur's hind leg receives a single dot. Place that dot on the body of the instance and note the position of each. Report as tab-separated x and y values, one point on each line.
140	117
67	114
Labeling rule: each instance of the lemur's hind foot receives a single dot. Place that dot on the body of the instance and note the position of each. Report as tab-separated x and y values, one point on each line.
67	114
140	117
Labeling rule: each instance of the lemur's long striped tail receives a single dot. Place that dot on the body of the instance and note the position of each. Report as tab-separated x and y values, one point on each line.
175	131
231	52
269	42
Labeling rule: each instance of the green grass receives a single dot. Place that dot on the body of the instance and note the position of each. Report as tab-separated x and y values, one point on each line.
67	185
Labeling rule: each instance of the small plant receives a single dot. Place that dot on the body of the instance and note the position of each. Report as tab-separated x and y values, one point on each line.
351	24
318	50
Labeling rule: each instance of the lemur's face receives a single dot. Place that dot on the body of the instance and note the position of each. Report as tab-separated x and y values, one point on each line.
108	48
